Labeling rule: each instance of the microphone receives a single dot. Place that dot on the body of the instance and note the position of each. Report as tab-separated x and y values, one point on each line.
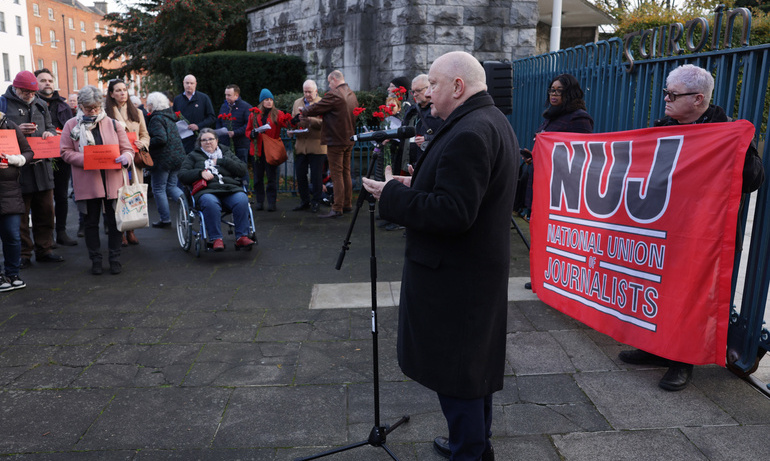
403	132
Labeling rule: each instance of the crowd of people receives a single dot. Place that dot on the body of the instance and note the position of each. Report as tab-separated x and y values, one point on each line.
455	206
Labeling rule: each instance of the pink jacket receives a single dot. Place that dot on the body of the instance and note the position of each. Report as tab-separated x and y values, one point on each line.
88	184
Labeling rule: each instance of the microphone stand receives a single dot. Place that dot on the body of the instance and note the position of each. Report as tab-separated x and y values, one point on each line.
378	434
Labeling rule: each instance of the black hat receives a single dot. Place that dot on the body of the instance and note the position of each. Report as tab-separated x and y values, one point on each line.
401	81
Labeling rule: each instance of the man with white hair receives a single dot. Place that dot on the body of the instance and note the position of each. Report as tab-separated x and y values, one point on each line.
687	95
309	152
456	208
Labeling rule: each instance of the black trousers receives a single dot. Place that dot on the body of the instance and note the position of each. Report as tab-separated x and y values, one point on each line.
94	208
470	426
316	164
62	174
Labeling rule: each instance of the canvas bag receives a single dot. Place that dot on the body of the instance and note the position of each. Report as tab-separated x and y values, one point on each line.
131	211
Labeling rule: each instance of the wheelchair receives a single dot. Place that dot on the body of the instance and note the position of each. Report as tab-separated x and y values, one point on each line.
191	225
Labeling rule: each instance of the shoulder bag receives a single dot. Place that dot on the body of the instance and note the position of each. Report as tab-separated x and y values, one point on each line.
131	209
275	151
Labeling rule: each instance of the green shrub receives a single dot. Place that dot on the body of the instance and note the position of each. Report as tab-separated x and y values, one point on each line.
250	71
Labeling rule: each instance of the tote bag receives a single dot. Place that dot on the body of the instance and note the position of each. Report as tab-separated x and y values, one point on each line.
275	151
131	210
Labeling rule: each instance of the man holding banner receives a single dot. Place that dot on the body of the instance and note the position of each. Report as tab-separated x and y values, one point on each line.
641	247
687	95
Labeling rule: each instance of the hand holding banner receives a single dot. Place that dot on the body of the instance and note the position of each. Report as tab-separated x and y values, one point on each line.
45	148
101	157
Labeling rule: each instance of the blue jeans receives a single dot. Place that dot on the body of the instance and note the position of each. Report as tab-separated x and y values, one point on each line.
211	207
470	426
11	237
164	187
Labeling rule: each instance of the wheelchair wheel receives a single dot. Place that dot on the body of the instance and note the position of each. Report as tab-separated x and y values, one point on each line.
184	224
198	245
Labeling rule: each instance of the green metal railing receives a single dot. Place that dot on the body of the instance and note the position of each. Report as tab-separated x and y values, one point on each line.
619	100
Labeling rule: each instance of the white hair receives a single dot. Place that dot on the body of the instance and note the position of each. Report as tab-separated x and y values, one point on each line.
694	78
158	101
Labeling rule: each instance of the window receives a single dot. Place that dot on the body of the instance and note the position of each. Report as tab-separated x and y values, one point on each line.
96	27
55	70
83	46
72	46
40	64
22	63
82	26
75	78
2	21
52	36
19	30
50	14
36	9
6	67
72	23
85	78
38	36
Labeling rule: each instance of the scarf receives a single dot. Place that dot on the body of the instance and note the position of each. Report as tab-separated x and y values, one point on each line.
82	130
210	163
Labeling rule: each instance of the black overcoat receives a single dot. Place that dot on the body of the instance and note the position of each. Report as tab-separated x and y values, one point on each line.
457	212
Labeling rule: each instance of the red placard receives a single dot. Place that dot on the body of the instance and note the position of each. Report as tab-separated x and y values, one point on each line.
132	138
633	233
45	148
9	145
101	157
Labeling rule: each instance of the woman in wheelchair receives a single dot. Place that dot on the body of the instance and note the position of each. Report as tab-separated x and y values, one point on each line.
215	173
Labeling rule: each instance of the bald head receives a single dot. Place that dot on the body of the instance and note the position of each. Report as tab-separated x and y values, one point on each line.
190	83
453	78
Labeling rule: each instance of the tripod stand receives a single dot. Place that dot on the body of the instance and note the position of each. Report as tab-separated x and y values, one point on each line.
378	434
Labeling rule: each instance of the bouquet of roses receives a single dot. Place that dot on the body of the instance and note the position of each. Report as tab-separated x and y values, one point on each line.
228	119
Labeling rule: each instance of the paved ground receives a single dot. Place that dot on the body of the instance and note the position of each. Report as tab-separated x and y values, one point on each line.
222	358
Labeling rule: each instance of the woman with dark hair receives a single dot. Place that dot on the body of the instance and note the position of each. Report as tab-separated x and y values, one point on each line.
119	106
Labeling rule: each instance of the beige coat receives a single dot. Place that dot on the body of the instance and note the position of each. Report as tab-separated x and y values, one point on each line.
310	142
140	127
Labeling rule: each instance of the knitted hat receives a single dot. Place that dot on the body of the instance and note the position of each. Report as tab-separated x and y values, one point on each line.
401	81
25	80
265	94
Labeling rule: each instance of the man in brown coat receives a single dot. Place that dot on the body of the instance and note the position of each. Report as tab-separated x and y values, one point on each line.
339	125
309	151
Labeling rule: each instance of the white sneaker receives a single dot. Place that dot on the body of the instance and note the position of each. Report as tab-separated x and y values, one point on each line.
11	283
5	284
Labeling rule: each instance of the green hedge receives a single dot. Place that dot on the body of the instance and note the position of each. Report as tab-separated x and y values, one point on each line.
250	71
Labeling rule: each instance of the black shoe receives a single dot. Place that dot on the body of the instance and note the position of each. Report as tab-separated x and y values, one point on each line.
331	214
301	206
96	267
528	285
49	258
347	209
81	230
441	445
271	207
115	267
393	226
259	207
640	357
677	377
314	207
161	224
63	239
383	224
25	263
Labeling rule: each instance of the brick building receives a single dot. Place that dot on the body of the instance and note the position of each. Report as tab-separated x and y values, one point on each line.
14	40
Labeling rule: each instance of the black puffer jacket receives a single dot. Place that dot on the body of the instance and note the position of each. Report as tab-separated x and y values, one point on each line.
230	167
36	175
166	147
11	201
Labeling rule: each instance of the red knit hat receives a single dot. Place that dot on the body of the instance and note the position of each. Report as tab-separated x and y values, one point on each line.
25	80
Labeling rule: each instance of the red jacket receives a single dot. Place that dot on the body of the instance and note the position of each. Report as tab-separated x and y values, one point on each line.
274	131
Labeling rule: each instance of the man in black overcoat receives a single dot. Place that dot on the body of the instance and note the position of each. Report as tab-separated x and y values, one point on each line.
457	211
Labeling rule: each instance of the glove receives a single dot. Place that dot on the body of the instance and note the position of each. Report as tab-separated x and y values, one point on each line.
295	120
254	133
16	160
124	159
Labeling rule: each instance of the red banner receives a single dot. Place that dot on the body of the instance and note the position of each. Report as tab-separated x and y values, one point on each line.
633	233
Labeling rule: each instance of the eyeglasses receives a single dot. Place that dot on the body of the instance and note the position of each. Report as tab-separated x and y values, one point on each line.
419	90
556	91
91	109
208	139
672	96
25	91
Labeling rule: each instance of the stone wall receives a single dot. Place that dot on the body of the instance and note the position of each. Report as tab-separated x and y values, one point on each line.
373	41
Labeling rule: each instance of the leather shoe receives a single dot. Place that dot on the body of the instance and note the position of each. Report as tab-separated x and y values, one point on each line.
331	214
640	357
528	285
49	258
677	377
63	239
218	245
314	207
25	263
301	206
115	268
131	238
96	267
347	209
441	445
259	206
161	224
244	242
271	207
124	241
